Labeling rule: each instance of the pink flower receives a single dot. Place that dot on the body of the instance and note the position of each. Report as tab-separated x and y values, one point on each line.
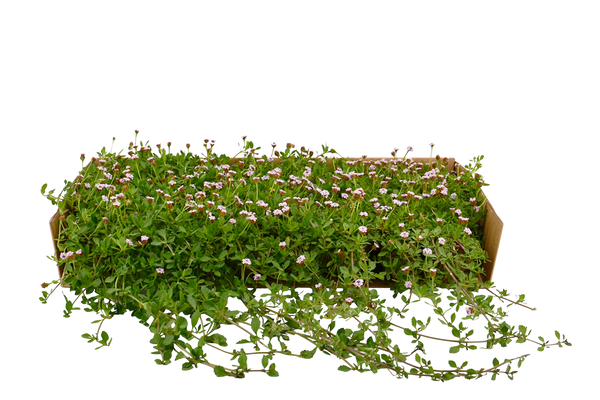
408	284
129	242
404	235
442	241
145	239
358	283
282	245
362	230
349	300
232	221
405	269
427	250
363	214
468	231
246	261
79	252
257	277
431	143
318	285
470	311
160	271
300	260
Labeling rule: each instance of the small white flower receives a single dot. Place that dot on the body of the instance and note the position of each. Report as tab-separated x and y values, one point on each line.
358	283
246	261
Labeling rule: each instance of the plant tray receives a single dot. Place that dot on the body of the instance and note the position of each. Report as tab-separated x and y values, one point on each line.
494	227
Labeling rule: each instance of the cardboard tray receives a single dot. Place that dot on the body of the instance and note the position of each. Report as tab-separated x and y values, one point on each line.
492	228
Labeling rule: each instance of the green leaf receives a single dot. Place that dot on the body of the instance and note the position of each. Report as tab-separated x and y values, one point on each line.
452	364
44	188
523	329
220	371
217	338
265	360
344	368
495	362
168	340
454	349
192	301
195	317
272	372
255	324
291	323
456	332
557	335
206	292
308	353
243	360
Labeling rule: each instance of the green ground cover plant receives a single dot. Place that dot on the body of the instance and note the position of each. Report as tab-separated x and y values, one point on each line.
304	241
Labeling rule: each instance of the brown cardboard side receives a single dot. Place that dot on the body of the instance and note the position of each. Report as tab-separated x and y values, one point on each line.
492	231
54	221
